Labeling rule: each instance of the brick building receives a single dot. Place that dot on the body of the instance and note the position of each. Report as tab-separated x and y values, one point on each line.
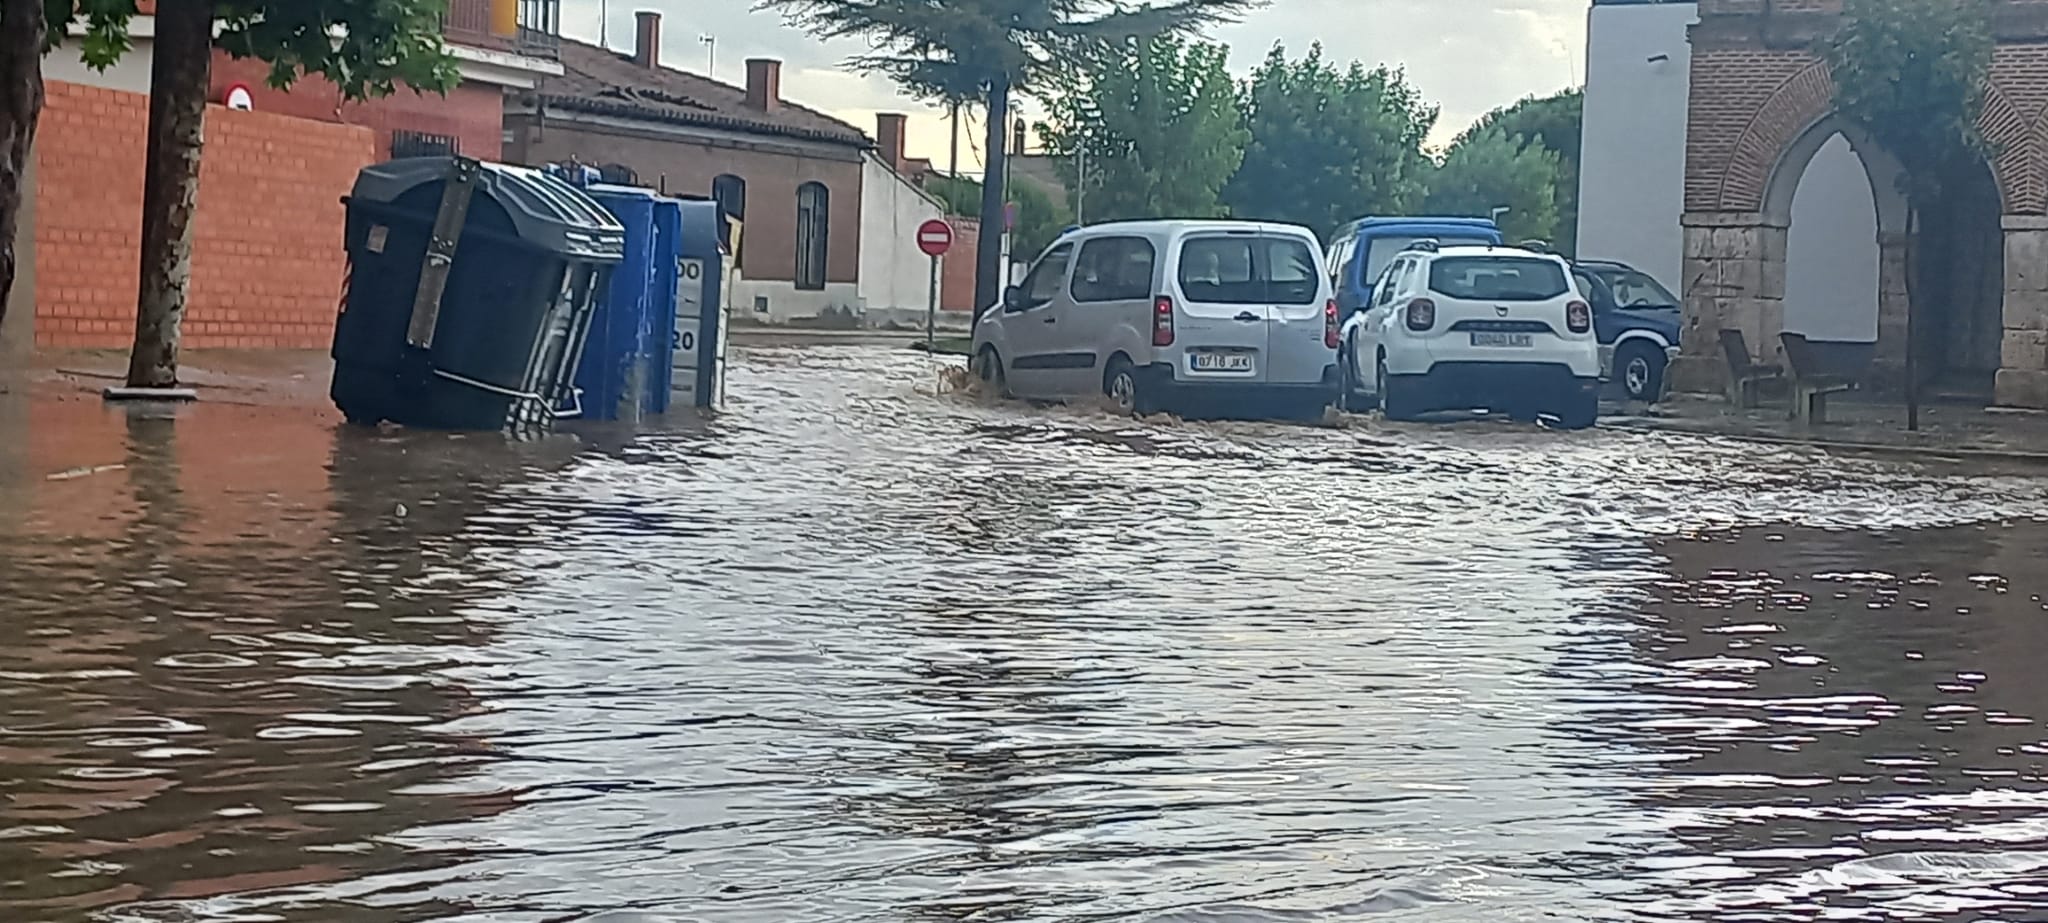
1761	108
828	215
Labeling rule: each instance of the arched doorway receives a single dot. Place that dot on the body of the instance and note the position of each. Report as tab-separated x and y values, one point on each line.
1838	194
1831	254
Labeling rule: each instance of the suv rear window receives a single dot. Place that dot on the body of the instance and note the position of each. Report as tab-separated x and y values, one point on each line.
1498	278
1249	270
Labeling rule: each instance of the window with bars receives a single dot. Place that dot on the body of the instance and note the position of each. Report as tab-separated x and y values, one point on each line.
730	192
813	228
423	144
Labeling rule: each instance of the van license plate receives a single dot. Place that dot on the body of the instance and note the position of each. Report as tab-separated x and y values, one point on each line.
1522	340
1220	362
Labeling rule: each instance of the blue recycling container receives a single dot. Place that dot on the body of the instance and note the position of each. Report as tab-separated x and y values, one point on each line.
698	339
624	373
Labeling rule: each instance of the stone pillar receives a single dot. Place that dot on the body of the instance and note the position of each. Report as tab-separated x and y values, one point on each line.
1733	277
1888	359
2023	346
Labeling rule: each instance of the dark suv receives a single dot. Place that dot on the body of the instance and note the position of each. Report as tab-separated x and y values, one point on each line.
1636	321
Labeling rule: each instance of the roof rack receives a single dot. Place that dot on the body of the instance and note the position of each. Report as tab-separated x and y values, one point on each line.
1536	245
1425	245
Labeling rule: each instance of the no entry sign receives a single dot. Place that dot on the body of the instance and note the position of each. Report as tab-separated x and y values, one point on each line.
935	237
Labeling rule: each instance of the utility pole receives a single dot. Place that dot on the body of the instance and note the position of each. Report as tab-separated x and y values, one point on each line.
604	16
953	163
1081	184
710	43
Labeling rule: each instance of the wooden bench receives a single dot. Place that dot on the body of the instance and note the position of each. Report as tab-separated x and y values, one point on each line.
1745	376
1811	384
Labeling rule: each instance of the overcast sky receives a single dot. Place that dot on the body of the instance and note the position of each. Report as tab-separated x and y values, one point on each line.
1467	56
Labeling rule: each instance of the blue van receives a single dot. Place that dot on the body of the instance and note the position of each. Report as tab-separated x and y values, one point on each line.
1361	250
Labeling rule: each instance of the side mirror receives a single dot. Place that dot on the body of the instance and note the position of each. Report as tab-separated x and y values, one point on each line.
1013	298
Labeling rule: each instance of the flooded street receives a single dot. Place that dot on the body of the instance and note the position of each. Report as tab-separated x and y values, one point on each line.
859	651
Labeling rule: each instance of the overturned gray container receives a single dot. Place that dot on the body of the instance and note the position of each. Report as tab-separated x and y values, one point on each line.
470	292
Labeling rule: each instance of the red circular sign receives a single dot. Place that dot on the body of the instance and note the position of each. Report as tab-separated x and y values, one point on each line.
935	237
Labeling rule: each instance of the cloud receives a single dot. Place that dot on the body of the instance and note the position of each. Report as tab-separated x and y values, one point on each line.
1467	56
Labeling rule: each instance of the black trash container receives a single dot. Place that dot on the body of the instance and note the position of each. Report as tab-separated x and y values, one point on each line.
470	292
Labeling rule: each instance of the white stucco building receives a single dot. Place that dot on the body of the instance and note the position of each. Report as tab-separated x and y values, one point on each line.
1632	176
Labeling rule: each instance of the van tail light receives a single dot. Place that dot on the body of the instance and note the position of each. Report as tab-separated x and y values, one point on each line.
1162	321
1578	317
1330	323
1421	314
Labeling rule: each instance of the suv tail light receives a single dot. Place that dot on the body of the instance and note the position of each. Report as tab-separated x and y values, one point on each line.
1578	317
1421	314
1162	321
1330	323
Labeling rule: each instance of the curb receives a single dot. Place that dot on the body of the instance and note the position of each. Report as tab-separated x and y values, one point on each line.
1960	453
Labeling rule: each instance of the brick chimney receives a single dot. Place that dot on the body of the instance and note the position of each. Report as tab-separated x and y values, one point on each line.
764	84
889	137
647	39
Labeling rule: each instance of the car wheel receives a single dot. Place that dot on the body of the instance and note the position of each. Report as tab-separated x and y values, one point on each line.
1580	410
1349	399
1397	398
989	368
1125	389
1640	367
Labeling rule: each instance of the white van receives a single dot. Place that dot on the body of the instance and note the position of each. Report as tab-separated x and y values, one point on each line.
1160	315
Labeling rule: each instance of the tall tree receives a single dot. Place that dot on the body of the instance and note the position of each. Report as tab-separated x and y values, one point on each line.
999	46
1157	125
1554	122
1328	146
28	30
365	47
1491	168
1912	74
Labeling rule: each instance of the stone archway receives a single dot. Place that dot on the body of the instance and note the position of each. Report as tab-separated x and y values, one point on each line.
1760	108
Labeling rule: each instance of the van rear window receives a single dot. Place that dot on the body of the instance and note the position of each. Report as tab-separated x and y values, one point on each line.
1249	270
1498	278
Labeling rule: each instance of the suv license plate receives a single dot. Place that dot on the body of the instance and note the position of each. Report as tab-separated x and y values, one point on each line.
1220	362
1521	340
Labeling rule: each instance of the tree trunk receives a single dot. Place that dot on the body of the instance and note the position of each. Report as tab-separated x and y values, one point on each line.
988	250
21	104
1912	256
178	78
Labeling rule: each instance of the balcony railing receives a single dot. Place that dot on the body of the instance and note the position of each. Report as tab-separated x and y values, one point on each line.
540	27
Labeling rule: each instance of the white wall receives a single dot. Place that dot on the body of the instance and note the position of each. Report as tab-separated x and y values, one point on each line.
1831	254
1632	161
785	302
895	276
131	73
1632	177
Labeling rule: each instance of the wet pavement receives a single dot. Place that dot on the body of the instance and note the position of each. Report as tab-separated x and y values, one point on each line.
858	650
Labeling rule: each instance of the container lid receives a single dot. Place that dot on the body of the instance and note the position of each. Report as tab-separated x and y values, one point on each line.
545	210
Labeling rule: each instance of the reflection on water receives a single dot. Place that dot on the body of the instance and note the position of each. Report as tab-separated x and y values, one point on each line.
857	651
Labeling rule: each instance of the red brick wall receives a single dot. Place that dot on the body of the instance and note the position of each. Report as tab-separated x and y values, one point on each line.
267	261
472	112
956	272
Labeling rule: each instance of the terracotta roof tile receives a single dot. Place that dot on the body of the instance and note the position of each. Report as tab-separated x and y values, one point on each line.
609	83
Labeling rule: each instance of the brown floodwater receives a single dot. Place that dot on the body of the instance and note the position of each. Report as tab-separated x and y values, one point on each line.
856	650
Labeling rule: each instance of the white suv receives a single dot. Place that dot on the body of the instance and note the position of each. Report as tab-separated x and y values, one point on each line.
1169	315
1472	327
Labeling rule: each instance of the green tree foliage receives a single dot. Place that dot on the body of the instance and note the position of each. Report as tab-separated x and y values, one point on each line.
1912	74
1491	168
1040	217
935	50
365	47
1554	122
1159	124
1330	145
